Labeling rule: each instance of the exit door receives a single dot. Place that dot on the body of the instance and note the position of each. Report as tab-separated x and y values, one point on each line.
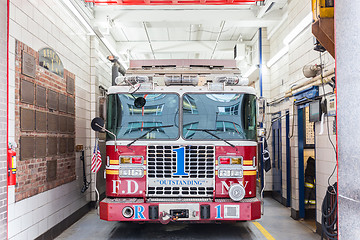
276	158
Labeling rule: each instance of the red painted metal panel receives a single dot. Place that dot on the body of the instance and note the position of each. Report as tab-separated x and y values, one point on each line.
125	151
247	152
222	186
125	187
249	181
174	2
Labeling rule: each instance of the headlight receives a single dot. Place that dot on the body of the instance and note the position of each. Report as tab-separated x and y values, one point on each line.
227	173
131	172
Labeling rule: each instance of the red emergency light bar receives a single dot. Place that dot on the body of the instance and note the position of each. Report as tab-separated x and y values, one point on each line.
174	2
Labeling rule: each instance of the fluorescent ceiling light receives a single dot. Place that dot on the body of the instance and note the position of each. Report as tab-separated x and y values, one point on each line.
298	29
278	56
79	16
251	70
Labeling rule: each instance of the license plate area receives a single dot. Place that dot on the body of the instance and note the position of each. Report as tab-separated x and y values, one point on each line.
185	212
180	213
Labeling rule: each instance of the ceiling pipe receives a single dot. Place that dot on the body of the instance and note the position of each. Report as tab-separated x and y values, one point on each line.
218	38
316	81
148	38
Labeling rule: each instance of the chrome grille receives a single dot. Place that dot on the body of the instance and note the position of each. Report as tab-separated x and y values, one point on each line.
199	164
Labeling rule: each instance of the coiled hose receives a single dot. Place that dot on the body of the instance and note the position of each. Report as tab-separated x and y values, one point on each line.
329	214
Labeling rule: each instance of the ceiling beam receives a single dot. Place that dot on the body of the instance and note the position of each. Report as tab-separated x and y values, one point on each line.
246	18
218	38
176	46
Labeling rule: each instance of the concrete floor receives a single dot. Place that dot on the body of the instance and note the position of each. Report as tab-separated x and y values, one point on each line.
276	221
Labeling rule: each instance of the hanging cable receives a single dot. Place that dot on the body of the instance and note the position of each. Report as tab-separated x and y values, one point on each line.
329	205
327	123
293	122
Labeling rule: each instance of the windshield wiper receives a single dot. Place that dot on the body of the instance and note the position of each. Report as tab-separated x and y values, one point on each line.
151	129
209	131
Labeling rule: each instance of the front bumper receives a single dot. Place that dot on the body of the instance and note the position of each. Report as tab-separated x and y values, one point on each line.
220	210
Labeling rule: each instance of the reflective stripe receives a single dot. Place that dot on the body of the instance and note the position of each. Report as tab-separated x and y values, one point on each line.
309	185
249	173
112	172
114	162
312	202
248	162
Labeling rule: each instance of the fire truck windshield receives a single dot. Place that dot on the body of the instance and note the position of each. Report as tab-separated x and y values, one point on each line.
228	116
129	122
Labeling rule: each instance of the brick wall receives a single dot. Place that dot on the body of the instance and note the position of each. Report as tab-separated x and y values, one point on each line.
3	118
45	126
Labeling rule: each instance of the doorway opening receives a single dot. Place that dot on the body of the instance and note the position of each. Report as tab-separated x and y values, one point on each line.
306	166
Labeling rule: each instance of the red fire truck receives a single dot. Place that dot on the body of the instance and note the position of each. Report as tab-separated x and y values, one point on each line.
181	144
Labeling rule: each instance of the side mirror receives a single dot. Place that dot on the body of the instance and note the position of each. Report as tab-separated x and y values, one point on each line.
97	124
139	102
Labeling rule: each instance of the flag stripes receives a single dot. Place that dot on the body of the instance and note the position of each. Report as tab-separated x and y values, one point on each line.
96	159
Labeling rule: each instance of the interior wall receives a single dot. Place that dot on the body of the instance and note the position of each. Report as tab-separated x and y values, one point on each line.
49	24
3	118
285	73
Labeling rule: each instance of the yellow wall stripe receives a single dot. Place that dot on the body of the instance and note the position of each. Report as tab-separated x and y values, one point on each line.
248	173
112	172
114	162
263	231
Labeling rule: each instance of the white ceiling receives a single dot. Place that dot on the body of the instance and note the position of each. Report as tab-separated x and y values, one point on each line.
184	32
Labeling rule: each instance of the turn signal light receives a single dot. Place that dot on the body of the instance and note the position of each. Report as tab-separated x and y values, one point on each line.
224	160
136	160
231	160
133	160
125	160
236	161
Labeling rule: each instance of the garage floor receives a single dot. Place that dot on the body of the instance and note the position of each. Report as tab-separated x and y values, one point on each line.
275	224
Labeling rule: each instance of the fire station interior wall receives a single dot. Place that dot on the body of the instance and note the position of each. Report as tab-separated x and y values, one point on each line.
3	121
285	73
41	24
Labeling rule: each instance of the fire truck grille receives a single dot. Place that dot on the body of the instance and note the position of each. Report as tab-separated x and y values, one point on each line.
199	170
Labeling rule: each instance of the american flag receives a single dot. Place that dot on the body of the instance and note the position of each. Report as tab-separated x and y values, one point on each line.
96	159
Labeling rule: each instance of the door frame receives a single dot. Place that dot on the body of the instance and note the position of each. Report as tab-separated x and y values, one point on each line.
288	160
300	111
277	195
